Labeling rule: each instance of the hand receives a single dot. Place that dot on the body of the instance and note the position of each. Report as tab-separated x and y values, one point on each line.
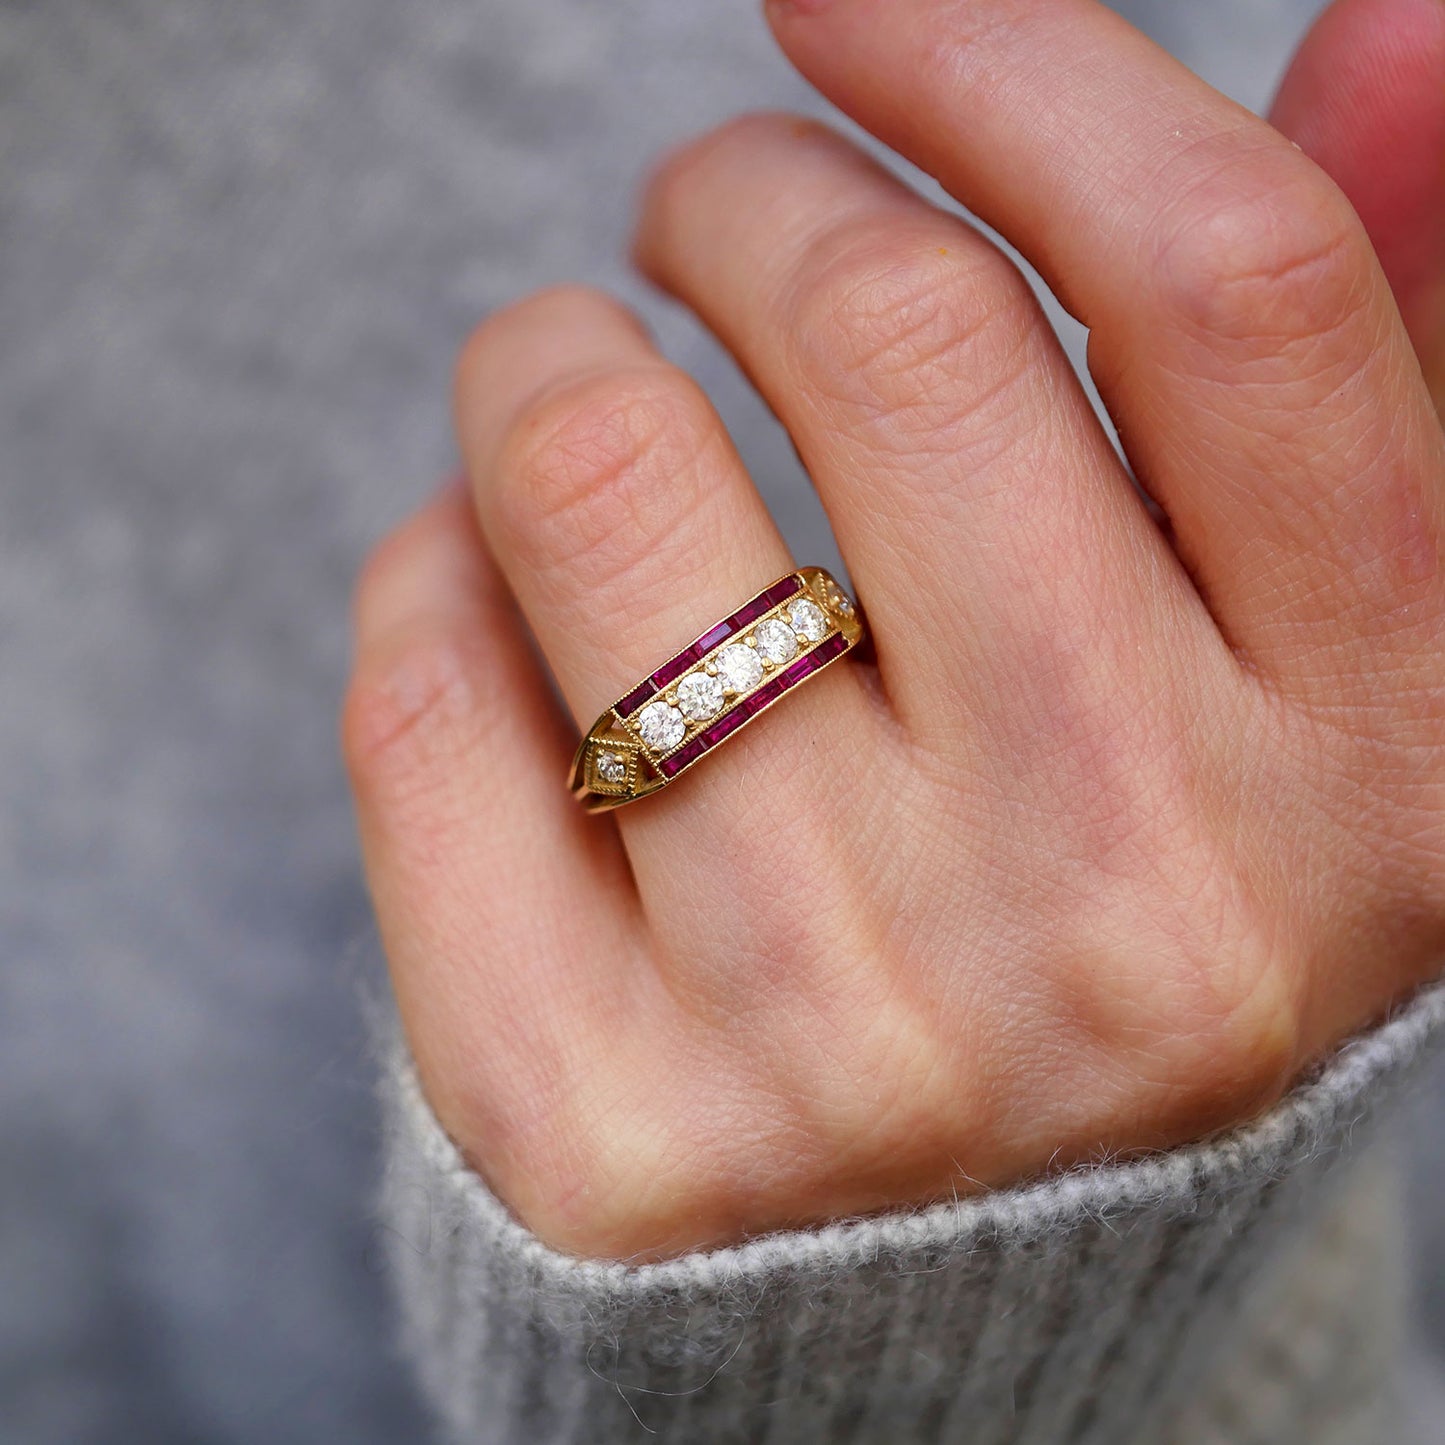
1129	823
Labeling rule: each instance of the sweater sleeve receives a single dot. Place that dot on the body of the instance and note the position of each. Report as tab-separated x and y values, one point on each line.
1085	1306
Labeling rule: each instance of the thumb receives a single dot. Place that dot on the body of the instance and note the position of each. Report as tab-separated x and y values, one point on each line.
1365	99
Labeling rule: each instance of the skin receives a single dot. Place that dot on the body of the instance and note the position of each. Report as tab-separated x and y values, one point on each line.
1138	810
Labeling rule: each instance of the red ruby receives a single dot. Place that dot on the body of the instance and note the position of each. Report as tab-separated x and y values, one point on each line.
729	722
635	699
674	763
764	602
673	669
797	671
825	651
685	660
711	638
784	588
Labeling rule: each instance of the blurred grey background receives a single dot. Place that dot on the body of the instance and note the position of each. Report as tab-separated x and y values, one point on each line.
239	246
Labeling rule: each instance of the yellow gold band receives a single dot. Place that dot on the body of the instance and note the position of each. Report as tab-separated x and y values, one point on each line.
713	687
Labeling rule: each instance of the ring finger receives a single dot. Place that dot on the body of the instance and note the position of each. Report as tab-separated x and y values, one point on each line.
625	524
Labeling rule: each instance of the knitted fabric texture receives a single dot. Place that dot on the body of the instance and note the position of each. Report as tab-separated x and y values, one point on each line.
1314	1352
1095	1305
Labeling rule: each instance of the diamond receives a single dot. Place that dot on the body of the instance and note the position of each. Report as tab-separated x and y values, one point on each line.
836	599
700	696
807	620
660	726
611	768
739	668
777	642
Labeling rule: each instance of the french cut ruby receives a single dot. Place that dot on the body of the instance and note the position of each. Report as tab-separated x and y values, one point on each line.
783	588
826	651
797	671
728	723
764	602
635	698
712	637
685	660
674	763
768	692
672	669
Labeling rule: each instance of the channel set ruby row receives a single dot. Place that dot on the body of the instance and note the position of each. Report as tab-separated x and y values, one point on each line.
727	676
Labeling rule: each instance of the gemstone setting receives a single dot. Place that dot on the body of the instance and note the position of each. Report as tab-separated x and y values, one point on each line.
661	726
700	697
787	677
835	599
807	620
612	767
777	642
739	668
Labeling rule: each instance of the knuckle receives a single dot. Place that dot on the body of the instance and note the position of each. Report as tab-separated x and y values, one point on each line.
389	559
604	456
490	342
600	1200
1231	1051
409	713
385	582
616	1171
1250	1049
675	177
1199	1023
895	324
1282	263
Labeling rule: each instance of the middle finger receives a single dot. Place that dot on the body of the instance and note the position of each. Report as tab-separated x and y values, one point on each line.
969	484
1241	328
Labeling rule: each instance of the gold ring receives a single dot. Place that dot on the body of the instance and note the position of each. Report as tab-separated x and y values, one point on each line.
717	684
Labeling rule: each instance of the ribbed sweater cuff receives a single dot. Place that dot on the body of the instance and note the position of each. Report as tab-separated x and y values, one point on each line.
1081	1307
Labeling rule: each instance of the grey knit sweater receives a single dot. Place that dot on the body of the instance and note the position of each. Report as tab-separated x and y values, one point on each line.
241	244
1242	1289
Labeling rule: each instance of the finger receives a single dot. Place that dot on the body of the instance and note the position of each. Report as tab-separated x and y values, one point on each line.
964	472
626	525
1365	99
453	741
608	490
1241	329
